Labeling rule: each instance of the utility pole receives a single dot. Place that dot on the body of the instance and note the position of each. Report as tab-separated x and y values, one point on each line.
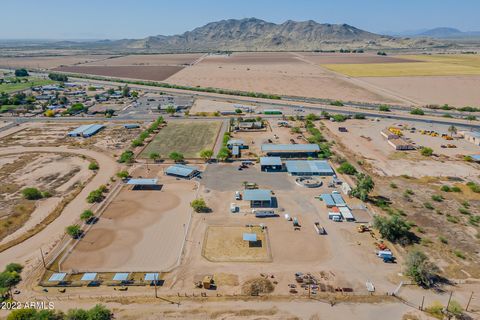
43	259
449	298
423	300
155	277
469	300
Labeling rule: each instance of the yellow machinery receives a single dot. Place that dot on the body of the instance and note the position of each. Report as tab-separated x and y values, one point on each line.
396	131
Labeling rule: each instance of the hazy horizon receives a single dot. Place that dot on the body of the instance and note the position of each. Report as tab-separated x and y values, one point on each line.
122	19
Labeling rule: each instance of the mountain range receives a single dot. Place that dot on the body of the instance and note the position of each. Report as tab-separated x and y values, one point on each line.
252	34
438	33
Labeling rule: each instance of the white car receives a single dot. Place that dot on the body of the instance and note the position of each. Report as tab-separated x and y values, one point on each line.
233	208
238	196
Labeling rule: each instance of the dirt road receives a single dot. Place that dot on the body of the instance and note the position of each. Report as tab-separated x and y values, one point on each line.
44	239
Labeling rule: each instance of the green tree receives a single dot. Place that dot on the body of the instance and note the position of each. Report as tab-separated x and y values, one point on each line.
77	314
58	77
93	166
206	154
426	151
126	157
364	186
126	91
137	143
176	156
95	196
74	231
21	73
31	193
154	156
134	94
99	312
17	267
223	154
86	215
347	168
393	228
420	269
199	205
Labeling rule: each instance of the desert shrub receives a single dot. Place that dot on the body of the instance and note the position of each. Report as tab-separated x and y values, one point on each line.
93	166
31	193
199	205
420	269
428	205
437	198
426	152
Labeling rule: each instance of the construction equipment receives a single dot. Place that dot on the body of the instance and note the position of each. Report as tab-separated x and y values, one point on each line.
396	131
318	228
451	145
363	228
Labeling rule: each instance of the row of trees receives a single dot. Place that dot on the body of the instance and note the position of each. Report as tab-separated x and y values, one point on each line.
58	77
145	134
9	278
98	312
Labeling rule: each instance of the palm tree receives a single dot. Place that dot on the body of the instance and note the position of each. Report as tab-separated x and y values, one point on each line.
452	129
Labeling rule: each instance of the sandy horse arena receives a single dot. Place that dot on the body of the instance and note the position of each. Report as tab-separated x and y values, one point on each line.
140	230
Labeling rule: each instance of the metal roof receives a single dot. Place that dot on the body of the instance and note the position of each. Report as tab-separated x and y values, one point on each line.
327	198
78	130
249	237
181	170
151	276
270	161
57	277
238	142
257	195
309	166
121	276
89	276
339	202
270	147
236	150
346	213
475	157
92	129
143	182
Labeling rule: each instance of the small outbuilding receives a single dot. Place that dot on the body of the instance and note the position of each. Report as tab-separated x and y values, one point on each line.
259	198
269	164
144	184
182	171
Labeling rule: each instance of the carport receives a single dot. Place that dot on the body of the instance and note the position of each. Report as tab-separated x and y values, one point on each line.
144	184
259	198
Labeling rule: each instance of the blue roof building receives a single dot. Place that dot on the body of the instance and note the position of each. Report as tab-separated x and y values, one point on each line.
182	171
86	131
327	198
309	168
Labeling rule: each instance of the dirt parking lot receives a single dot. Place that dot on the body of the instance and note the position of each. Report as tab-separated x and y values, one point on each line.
140	230
364	138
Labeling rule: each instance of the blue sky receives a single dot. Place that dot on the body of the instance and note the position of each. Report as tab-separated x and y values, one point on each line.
89	19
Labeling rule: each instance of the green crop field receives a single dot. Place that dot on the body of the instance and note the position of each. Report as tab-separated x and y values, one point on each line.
32	82
428	65
188	138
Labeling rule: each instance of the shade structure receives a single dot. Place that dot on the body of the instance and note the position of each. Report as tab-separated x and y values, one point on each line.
121	276
249	237
89	276
57	277
151	276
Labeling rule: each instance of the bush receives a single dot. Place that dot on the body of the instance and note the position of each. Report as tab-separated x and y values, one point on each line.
459	254
93	166
443	240
347	168
31	194
14	267
394	228
437	198
199	205
337	103
456	189
393	185
445	188
126	157
417	111
473	186
123	174
384	108
420	269
474	220
464	211
426	152
428	205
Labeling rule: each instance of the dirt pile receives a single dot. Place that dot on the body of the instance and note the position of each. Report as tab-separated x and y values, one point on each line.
256	286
